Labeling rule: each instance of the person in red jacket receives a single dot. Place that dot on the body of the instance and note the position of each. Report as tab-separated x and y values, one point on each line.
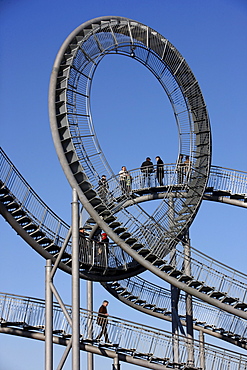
102	320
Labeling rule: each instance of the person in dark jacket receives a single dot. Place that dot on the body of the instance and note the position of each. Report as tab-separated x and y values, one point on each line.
147	168
103	187
160	170
103	250
180	169
102	320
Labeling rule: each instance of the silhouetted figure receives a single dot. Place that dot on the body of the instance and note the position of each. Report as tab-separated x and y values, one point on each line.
180	169
103	187
102	320
187	167
147	168
160	170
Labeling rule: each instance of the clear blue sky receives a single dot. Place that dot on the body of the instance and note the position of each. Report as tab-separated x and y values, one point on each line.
130	112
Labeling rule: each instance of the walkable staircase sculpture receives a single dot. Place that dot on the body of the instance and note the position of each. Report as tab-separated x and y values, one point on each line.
156	301
134	343
140	241
46	232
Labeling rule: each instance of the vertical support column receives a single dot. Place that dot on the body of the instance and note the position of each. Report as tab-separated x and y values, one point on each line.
75	284
202	352
189	306
48	318
116	363
174	295
174	307
90	363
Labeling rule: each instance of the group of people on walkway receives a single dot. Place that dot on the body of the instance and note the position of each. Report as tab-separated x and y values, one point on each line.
96	250
148	169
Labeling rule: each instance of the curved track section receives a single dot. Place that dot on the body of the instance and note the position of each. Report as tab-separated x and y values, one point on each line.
79	150
156	301
134	343
209	280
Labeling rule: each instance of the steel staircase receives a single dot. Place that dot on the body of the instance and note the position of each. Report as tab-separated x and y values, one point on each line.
156	301
77	145
209	280
135	343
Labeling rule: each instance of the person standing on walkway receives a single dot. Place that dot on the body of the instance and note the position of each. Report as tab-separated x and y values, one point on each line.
102	320
180	170
187	167
125	180
147	168
160	170
103	187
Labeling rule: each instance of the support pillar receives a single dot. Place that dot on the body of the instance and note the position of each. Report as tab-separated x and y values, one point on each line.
174	294
116	363
189	306
174	307
75	284
90	362
48	318
202	351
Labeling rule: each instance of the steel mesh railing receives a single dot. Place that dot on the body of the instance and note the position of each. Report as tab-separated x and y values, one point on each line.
139	339
204	268
55	228
47	221
220	178
225	179
158	298
78	140
210	272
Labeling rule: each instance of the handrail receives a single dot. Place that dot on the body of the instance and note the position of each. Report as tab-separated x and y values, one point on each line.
211	272
158	299
220	178
218	276
229	180
139	339
28	199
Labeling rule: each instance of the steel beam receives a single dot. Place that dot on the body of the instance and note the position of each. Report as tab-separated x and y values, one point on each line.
48	318
75	284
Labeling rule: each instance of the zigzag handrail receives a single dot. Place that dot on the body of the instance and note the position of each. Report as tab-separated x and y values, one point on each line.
155	346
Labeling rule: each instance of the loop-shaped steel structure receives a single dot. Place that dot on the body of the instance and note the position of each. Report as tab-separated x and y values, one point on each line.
79	150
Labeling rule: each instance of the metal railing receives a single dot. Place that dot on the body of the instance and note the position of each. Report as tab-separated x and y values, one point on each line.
225	179
54	227
210	272
220	178
46	220
136	339
203	268
104	255
157	298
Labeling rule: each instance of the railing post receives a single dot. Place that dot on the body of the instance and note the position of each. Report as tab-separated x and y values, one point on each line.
48	318
75	284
